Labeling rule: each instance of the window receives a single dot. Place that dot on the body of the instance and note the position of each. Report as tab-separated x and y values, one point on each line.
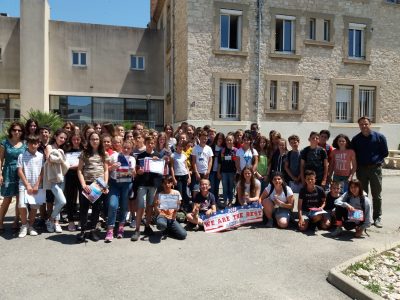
230	29
344	96
168	25
79	58
0	54
356	41
327	28
285	34
295	95
273	94
229	94
108	109
137	62
393	1
311	34
366	102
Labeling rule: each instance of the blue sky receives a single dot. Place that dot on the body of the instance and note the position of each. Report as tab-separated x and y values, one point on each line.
134	13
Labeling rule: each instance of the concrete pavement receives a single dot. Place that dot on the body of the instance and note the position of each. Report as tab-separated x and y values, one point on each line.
248	263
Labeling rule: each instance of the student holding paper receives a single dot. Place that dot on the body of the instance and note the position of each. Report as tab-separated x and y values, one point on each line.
353	210
93	165
30	172
166	204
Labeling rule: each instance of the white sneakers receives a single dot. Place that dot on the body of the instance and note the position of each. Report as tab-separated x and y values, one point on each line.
57	228
53	227
27	230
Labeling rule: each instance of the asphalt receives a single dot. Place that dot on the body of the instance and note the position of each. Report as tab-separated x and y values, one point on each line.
248	263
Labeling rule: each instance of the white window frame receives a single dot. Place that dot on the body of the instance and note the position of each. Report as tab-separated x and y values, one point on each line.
223	100
136	58
79	52
361	27
229	13
340	115
293	35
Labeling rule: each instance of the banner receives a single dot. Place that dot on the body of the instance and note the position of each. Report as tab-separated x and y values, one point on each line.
152	165
233	217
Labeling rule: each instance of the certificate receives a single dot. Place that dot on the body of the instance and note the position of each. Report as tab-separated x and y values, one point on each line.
37	199
73	158
152	165
168	201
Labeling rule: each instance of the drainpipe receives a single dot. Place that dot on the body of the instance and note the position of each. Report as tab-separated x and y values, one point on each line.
172	79
260	5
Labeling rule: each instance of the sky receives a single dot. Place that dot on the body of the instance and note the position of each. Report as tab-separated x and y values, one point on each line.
133	13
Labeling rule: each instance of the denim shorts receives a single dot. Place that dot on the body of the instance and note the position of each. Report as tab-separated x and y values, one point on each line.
282	213
145	196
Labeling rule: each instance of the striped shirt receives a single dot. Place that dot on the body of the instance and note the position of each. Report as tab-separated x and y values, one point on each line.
31	165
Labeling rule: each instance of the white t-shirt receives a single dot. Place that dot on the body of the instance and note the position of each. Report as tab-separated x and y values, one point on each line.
180	164
123	173
281	196
202	156
246	157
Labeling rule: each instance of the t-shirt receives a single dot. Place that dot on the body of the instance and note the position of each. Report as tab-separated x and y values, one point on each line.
262	166
341	161
330	202
277	163
247	186
202	156
282	197
170	213
205	202
314	160
31	165
124	172
293	159
147	179
93	166
227	160
246	157
180	163
315	198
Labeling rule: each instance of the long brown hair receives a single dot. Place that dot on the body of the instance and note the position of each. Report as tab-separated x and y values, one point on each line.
252	182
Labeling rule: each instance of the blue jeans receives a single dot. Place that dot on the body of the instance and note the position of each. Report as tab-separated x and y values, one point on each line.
214	181
59	199
181	186
118	197
173	228
228	186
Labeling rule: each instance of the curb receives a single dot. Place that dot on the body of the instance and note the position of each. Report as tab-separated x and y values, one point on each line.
347	285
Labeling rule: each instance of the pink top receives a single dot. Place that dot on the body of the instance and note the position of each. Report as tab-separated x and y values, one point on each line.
341	160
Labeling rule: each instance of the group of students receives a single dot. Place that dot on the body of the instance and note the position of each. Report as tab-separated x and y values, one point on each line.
251	167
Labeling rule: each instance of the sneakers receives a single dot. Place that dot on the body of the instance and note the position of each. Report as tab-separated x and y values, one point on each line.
135	236
94	236
270	223
378	222
109	236
148	230
120	234
336	232
133	223
71	226
32	231
57	228
23	231
50	226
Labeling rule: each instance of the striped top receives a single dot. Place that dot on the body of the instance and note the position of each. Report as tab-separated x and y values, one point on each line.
31	165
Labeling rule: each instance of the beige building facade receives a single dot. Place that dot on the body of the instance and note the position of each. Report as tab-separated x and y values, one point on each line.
293	66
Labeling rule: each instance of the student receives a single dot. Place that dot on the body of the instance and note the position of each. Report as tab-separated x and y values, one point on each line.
246	156
314	158
348	203
261	146
122	171
238	139
212	134
217	145
343	162
107	143
93	164
201	162
203	205
248	187
119	130
331	196
166	218
274	138
55	169
31	127
146	189
277	161
227	169
30	172
311	204
278	198
292	164
324	136
180	174
171	141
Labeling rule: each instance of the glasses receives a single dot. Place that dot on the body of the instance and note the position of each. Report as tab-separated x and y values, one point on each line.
16	130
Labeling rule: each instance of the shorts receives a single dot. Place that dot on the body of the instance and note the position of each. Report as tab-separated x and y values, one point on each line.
21	202
283	213
311	214
145	196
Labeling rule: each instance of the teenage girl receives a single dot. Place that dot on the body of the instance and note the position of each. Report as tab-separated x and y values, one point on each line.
248	187
261	146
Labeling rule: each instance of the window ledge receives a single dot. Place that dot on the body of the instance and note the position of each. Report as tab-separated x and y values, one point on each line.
285	56
137	70
319	43
283	112
352	125
356	61
230	52
80	67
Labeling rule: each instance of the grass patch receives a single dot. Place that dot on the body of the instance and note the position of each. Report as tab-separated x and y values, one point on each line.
374	287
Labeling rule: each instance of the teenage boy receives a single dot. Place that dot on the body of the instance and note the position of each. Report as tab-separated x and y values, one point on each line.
146	189
324	136
201	162
311	204
314	158
292	164
211	136
30	172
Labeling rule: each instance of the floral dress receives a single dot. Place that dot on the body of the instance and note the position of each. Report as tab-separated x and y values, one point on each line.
9	187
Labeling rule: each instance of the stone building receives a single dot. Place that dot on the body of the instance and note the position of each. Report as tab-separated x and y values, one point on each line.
294	66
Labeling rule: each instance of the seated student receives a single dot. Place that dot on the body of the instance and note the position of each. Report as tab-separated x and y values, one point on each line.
347	204
248	187
331	196
166	218
311	204
278	197
203	205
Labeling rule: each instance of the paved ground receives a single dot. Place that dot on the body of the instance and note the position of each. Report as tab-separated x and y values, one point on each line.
248	263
